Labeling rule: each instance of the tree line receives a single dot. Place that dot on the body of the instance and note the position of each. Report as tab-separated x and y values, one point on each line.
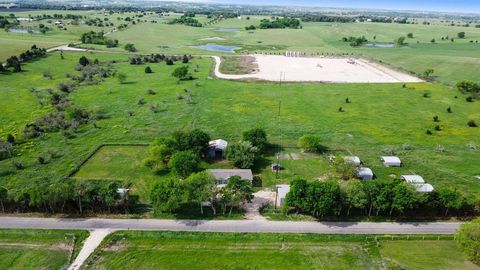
381	197
14	62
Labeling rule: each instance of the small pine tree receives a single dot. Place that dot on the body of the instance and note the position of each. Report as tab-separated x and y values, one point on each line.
148	70
449	110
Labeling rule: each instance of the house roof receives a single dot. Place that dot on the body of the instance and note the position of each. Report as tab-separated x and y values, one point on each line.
218	144
224	174
424	188
391	159
282	190
352	159
412	178
364	171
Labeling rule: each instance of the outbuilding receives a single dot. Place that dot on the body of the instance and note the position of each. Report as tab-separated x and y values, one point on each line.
353	160
217	149
423	187
391	161
413	179
282	191
365	173
223	175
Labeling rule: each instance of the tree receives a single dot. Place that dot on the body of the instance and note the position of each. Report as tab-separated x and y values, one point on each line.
166	195
195	140
242	154
148	70
160	153
461	35
354	195
311	143
296	198
2	68
323	197
130	47
466	86
5	150
200	187
180	72
122	77
472	123
344	168
450	199
185	59
84	61
239	190
258	138
400	41
468	238
410	35
3	198
403	198
428	72
184	163
169	61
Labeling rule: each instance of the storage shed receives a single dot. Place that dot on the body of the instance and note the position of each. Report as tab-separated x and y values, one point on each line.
391	161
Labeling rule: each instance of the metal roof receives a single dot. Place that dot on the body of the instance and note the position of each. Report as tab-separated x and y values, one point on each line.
224	174
412	178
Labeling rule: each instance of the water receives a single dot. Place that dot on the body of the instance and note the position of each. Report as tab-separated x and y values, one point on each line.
22	31
217	48
379	45
227	30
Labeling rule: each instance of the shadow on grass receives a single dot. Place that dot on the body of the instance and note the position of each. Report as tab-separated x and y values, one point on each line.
192	212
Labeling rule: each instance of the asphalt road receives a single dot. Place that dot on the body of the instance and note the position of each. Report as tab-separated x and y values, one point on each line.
232	225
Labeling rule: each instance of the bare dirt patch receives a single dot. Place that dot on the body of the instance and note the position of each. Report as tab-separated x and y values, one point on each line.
309	69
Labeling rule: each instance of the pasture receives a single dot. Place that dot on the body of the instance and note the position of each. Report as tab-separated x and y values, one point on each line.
38	249
381	118
175	250
452	61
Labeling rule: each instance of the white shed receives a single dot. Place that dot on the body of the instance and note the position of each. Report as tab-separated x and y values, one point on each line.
282	191
217	149
424	187
391	161
353	160
417	179
364	173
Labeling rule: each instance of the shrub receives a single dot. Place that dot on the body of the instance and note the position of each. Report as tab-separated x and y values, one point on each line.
242	154
472	123
195	141
5	150
469	99
436	119
18	164
148	70
428	132
10	138
184	163
151	92
130	47
122	77
140	101
311	143
438	128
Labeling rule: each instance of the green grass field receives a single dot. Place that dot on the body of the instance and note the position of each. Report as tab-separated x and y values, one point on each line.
381	117
182	250
38	249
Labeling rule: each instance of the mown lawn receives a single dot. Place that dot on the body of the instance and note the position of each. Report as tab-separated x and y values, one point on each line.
189	250
38	249
179	250
381	118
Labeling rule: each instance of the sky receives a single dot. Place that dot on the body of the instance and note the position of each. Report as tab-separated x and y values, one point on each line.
469	6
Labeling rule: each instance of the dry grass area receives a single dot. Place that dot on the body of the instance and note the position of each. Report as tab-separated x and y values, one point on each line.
245	64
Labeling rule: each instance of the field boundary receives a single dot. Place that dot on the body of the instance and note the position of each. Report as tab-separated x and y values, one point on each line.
93	152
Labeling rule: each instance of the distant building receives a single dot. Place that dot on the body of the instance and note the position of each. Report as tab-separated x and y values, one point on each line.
282	191
217	149
20	19
391	161
353	160
223	175
364	173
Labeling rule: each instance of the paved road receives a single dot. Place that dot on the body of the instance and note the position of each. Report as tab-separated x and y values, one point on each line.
232	225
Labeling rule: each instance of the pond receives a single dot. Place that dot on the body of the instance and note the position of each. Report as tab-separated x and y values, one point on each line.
380	45
217	48
227	30
23	31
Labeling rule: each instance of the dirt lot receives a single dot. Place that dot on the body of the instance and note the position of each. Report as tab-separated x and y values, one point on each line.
318	69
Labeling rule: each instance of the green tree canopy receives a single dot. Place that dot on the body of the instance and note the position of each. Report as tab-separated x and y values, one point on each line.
184	163
242	154
257	136
468	238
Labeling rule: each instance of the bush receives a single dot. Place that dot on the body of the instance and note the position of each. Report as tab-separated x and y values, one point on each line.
468	238
5	150
195	141
148	70
472	123
311	143
130	47
184	163
242	154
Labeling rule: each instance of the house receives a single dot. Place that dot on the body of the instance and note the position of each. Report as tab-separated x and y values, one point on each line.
354	160
413	179
391	161
217	149
22	19
364	173
282	191
222	175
